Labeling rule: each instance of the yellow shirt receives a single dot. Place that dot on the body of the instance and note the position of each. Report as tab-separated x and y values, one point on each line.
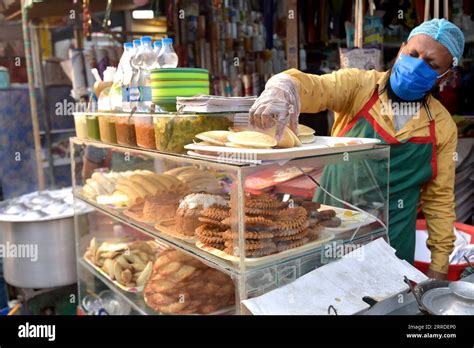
345	92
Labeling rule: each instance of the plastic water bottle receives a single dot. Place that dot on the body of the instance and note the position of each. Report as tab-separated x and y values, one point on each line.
135	62
124	74
167	58
147	59
157	48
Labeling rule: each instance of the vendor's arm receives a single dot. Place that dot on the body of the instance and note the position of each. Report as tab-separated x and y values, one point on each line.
438	198
339	91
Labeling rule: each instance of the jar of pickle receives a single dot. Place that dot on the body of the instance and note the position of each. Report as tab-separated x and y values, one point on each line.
125	130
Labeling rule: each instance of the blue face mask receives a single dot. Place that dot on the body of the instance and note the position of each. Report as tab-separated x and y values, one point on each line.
412	78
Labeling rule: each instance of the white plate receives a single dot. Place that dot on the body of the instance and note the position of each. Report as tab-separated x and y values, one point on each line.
325	236
320	146
358	219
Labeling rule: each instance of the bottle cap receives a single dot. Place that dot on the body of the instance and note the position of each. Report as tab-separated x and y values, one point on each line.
167	40
137	43
128	45
146	39
157	44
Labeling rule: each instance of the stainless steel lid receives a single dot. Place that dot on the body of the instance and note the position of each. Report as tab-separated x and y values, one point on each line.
41	206
442	301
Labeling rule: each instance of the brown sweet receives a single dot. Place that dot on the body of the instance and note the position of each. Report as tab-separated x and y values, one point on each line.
311	207
187	220
261	212
160	208
211	240
254	223
332	222
215	213
212	222
207	230
247	235
291	232
325	214
292	218
193	287
252	244
314	232
295	237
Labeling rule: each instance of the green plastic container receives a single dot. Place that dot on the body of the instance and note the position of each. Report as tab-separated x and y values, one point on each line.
92	123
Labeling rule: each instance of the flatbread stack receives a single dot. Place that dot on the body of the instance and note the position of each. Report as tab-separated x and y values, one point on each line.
253	138
134	189
197	180
181	284
104	183
305	134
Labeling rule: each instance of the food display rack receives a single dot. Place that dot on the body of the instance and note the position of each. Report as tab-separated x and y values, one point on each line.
250	276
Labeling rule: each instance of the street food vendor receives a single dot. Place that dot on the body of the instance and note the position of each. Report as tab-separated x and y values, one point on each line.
422	137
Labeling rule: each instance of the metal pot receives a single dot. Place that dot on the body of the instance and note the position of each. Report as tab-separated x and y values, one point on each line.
435	297
49	257
37	239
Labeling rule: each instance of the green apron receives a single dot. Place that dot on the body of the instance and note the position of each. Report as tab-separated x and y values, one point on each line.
412	163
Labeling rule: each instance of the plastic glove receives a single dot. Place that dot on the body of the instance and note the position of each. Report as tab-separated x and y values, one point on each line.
279	104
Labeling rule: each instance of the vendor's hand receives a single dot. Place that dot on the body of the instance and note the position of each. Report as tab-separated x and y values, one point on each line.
436	275
278	105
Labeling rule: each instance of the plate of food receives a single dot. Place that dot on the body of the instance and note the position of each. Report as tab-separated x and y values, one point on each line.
306	245
244	144
349	219
126	264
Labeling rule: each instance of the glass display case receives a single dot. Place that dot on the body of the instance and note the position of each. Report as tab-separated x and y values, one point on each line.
175	234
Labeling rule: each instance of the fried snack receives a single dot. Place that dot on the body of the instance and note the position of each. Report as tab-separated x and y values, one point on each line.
212	222
292	218
325	214
332	222
193	288
208	231
215	213
219	246
291	232
294	237
311	207
313	233
247	235
252	244
261	212
254	223
211	240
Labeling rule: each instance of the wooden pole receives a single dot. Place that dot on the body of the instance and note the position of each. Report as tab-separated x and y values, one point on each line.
436	9
292	49
427	10
32	92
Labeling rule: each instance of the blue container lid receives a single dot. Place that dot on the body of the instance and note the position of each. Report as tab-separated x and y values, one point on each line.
146	39
128	45
157	44
137	42
167	40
